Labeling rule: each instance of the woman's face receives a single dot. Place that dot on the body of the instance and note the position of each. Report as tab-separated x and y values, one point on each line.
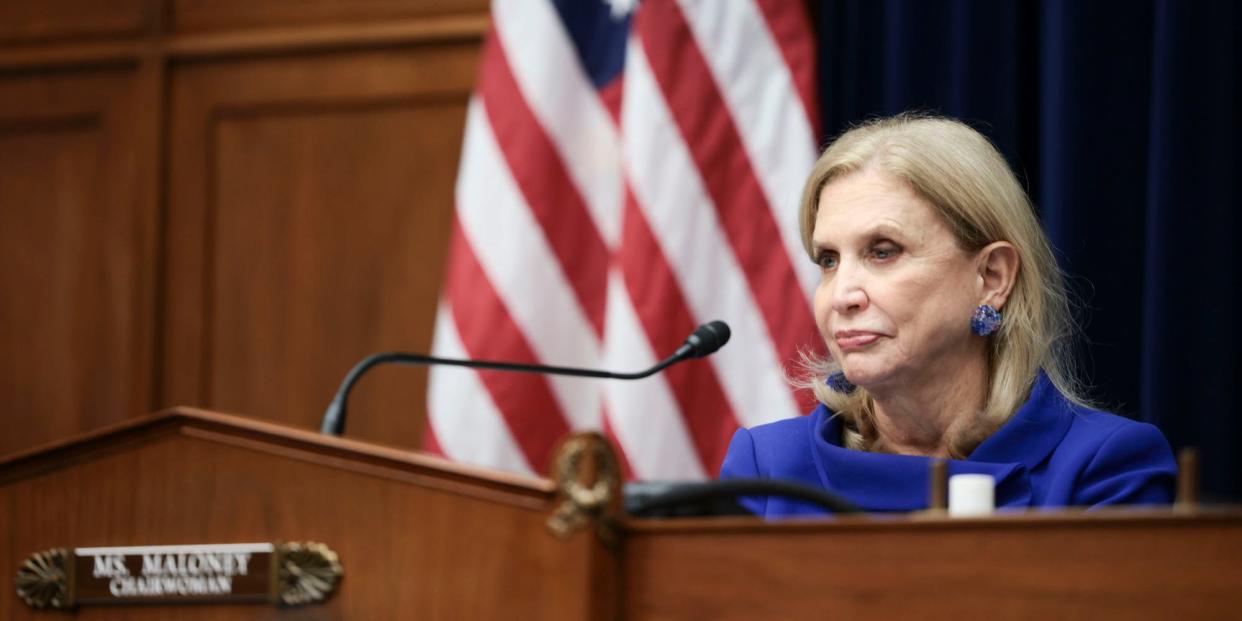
896	292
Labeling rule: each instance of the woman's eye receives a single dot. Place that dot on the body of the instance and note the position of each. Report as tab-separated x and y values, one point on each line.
826	260
884	252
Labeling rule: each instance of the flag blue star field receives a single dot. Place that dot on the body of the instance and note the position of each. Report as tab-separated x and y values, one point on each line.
629	170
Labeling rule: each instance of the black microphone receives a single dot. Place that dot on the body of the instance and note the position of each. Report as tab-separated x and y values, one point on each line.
705	340
660	499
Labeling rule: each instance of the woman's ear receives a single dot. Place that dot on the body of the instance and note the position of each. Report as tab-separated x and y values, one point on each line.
998	269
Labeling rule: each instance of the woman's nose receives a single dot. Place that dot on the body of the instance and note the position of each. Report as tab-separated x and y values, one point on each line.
849	294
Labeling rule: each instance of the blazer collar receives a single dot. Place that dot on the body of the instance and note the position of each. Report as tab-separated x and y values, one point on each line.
885	482
1033	432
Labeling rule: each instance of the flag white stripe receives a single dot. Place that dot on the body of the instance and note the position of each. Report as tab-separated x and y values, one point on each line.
760	92
512	249
670	191
559	93
643	414
467	423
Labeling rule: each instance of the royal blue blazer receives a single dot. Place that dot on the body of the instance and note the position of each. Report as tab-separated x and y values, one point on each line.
1051	453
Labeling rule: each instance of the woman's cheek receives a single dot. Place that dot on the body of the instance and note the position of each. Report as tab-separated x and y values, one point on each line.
822	309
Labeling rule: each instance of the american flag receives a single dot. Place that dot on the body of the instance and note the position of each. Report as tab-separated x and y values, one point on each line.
629	170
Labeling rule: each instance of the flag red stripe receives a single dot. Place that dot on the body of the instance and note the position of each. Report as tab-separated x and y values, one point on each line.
553	198
703	118
430	443
487	331
611	95
791	30
667	319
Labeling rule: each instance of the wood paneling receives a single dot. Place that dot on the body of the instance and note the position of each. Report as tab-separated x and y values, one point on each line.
223	203
76	246
31	21
196	15
309	209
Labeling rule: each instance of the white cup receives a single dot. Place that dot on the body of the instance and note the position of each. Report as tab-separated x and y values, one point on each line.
971	495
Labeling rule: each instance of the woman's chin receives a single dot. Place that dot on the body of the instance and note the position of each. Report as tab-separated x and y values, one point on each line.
867	378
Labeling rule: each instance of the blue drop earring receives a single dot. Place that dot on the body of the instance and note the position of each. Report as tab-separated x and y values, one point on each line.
985	321
838	383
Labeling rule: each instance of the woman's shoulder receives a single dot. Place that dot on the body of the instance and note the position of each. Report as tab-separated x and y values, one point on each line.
1106	444
1080	427
780	448
1115	460
786	429
1092	426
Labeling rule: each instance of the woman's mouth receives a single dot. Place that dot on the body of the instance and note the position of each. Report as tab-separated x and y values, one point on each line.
849	340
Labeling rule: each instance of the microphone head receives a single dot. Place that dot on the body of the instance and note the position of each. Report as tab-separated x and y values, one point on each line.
707	338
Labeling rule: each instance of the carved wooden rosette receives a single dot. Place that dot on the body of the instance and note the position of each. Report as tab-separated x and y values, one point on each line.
588	478
305	573
44	580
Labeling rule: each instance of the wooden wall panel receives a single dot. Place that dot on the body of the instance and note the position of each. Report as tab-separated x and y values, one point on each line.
223	203
76	246
29	21
308	212
200	15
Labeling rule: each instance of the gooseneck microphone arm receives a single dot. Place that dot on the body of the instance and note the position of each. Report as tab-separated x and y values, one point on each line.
705	340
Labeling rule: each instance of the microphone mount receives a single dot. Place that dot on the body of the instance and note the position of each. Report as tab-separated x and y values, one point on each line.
705	340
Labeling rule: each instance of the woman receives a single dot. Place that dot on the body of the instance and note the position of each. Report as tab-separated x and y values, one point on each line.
947	328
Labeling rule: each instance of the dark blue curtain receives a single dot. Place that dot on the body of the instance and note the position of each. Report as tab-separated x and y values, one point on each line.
1123	120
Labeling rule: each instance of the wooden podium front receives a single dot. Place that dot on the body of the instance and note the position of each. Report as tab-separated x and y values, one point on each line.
418	537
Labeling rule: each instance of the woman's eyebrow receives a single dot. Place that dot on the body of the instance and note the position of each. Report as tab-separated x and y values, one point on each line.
882	229
885	229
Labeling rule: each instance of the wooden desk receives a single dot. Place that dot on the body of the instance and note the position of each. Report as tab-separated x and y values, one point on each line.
419	537
1064	565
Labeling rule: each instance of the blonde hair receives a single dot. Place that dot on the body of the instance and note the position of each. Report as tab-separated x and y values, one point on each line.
966	180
